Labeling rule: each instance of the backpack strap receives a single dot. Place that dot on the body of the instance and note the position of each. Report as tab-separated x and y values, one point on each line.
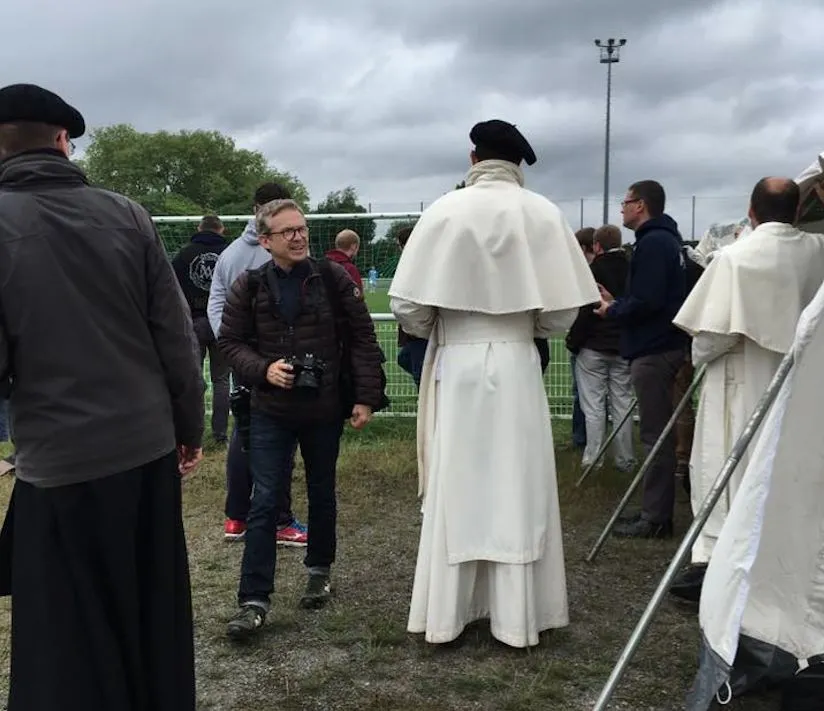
253	279
333	294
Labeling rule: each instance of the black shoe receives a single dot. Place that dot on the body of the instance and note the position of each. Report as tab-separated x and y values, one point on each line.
318	592
247	622
630	518
641	528
687	586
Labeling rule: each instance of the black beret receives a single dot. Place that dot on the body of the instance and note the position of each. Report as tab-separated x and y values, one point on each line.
31	103
504	139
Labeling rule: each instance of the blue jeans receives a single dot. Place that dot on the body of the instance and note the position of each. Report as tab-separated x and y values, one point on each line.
579	425
271	449
239	485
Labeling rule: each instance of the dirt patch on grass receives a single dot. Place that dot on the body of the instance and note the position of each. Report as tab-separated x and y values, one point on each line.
356	654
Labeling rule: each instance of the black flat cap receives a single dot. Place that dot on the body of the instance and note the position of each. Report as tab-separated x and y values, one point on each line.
31	103
502	139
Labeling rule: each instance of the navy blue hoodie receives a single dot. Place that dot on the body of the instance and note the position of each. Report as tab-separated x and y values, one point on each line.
656	289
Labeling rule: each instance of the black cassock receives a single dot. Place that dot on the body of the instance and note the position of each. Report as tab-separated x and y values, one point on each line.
101	602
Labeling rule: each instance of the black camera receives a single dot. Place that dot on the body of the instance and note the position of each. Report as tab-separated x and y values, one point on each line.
240	402
308	371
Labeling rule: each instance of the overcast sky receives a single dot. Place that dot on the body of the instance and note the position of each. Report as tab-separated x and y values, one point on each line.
708	97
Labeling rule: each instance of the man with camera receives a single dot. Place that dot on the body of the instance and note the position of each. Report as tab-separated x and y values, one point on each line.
298	331
245	253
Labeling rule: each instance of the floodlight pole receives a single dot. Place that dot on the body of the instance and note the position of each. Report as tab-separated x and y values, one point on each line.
610	54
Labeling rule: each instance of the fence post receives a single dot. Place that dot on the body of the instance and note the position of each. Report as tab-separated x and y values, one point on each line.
693	217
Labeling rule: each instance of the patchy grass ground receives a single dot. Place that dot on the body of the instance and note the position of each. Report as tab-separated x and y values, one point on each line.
356	654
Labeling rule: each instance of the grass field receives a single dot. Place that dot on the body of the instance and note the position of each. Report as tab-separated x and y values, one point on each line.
377	301
356	655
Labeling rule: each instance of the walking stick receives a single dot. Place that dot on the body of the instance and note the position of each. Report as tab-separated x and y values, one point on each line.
605	445
639	477
718	487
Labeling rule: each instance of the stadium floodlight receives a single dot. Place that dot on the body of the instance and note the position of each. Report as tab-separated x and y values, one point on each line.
610	54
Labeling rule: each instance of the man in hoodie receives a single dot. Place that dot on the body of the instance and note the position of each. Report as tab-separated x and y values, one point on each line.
655	347
241	255
194	266
347	244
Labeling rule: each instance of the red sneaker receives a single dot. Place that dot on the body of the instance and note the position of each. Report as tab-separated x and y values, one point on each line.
234	530
294	534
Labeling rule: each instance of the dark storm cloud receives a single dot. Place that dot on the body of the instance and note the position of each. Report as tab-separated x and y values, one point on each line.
708	97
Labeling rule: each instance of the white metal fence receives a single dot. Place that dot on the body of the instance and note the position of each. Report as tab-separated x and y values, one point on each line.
401	388
403	394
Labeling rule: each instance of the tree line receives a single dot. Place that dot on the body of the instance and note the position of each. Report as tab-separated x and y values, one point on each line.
204	172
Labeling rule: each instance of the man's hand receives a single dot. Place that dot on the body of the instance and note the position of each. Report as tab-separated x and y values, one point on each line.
187	459
280	374
602	309
361	414
607	300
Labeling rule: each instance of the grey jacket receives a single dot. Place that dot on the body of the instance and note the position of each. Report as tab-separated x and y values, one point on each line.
94	331
242	254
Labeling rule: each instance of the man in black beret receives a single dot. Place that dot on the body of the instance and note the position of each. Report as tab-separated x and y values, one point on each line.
499	139
106	401
487	270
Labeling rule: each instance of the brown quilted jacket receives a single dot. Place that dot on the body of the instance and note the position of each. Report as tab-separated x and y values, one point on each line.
312	331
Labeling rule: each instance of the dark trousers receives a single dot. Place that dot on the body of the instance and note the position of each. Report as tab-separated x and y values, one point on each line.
411	356
239	485
272	446
4	420
219	375
579	423
653	378
685	424
101	604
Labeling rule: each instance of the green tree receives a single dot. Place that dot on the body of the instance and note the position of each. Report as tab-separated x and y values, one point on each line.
190	172
343	202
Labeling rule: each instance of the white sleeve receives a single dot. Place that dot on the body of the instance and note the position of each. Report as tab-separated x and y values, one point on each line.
549	323
217	296
414	319
707	347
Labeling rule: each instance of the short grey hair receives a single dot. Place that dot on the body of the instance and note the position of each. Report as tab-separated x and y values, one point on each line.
270	209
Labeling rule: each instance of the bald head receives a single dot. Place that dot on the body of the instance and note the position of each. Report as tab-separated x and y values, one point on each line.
774	200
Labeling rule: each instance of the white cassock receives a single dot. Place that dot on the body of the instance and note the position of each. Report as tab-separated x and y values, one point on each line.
742	315
763	594
486	270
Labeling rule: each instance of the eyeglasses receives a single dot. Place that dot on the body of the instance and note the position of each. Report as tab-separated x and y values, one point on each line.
71	146
624	203
290	234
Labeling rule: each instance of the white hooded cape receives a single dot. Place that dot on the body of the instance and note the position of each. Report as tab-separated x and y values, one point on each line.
494	247
765	581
